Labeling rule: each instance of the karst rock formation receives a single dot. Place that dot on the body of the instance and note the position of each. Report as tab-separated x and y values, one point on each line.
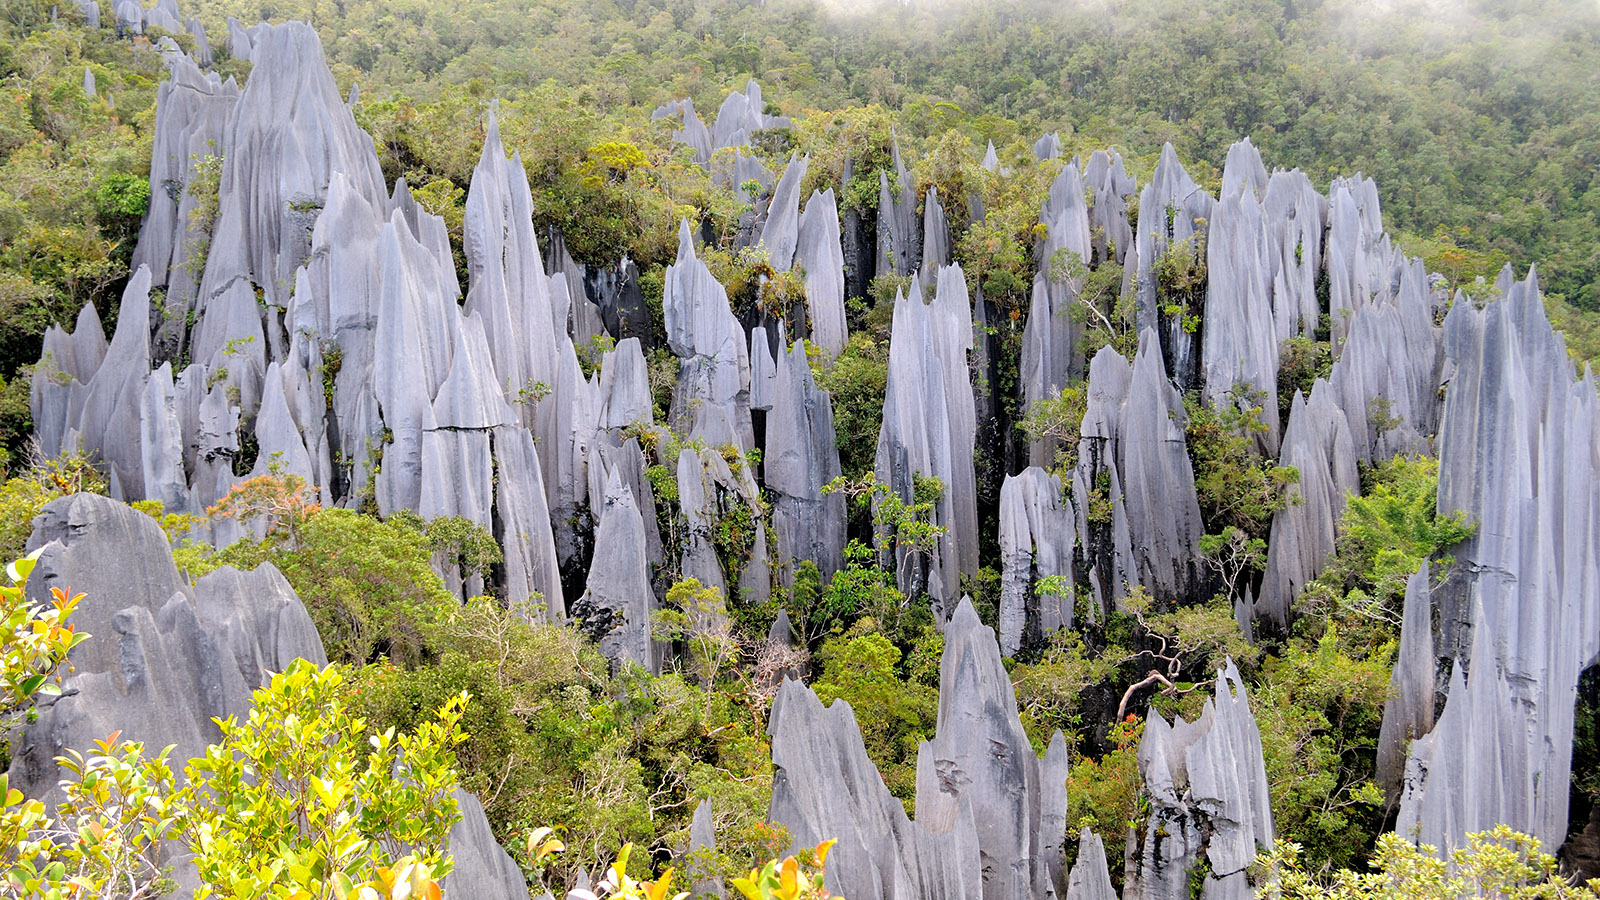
318	326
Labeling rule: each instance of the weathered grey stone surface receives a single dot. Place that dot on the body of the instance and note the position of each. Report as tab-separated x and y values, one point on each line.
1522	618
712	398
820	255
929	427
1317	444
694	132
800	460
1239	357
1052	340
507	282
1170	188
1110	185
109	422
1409	713
1090	878
740	115
781	233
483	869
165	657
1047	147
300	132
980	759
935	232
66	365
899	248
1207	785
1158	489
703	837
1133	451
617	600
1038	532
1358	251
1293	212
825	788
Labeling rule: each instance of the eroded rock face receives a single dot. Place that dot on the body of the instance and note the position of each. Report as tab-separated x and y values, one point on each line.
1187	211
1038	531
1133	457
980	759
1523	620
1207	784
929	429
821	255
800	460
990	814
1052	340
712	399
165	657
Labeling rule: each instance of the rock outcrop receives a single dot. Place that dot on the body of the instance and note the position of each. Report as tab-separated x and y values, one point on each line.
1207	785
1521	620
929	429
166	657
990	814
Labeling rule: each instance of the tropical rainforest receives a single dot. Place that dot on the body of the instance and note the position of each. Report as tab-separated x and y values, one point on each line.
1478	120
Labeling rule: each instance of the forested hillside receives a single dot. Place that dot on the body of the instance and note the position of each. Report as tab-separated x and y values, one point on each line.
481	336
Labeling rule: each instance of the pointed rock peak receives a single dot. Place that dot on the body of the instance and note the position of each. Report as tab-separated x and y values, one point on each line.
991	159
492	148
965	620
685	242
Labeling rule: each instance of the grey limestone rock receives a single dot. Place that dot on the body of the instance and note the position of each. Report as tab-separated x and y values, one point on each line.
1133	441
1157	483
161	443
929	427
1293	213
826	788
763	369
1243	172
980	759
617	599
109	424
1090	878
781	232
820	255
66	365
899	248
991	160
1207	784
1408	714
703	837
801	458
1318	445
1188	209
694	132
507	284
1240	351
90	9
287	136
483	869
1358	251
935	232
1110	185
708	492
1521	619
712	399
1038	532
522	523
1047	147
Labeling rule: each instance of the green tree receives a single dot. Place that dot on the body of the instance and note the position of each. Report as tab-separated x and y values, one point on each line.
288	805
